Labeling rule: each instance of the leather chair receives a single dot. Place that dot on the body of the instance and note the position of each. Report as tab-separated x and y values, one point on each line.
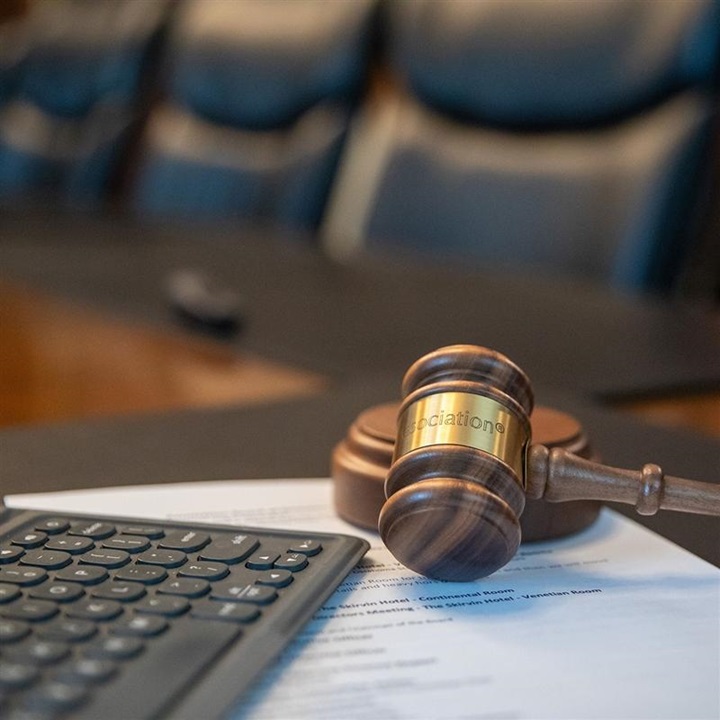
255	107
563	137
71	74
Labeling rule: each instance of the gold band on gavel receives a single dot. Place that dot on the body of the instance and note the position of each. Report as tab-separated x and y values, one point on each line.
459	418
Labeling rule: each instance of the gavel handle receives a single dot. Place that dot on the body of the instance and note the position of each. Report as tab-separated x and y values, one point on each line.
557	476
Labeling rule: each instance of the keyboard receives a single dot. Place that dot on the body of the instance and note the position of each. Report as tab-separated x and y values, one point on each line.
108	618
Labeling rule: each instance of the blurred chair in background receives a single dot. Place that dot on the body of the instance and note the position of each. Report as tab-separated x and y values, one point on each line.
71	75
257	98
574	137
567	137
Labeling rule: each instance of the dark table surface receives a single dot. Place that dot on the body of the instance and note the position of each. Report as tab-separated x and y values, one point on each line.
376	315
361	326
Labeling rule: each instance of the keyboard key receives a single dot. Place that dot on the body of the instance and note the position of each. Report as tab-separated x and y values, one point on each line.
165	558
129	543
230	551
72	545
55	697
226	611
30	539
106	558
8	592
306	547
262	560
275	578
52	526
14	676
22	575
57	591
86	671
113	648
48	559
86	575
208	571
168	605
34	651
30	610
145	574
10	554
139	626
148	531
93	529
293	562
67	630
238	592
12	630
96	610
185	540
187	587
121	591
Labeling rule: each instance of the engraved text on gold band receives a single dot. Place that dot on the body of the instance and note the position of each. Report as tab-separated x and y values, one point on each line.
459	418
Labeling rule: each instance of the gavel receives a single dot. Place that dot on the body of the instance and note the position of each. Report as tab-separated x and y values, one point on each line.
463	467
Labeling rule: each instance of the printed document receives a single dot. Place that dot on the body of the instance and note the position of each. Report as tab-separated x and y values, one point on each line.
614	622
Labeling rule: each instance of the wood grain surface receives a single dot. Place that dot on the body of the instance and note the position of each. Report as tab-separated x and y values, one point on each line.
60	361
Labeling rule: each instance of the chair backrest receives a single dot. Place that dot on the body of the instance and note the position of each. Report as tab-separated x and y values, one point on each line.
570	137
255	107
70	78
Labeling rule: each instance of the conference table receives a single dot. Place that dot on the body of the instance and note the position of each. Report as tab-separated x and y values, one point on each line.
318	342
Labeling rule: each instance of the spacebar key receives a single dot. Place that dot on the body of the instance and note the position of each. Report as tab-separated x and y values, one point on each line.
168	668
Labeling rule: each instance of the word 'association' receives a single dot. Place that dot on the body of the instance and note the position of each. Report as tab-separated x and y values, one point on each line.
461	418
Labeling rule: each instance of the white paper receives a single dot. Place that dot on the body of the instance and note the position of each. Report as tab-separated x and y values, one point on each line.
615	622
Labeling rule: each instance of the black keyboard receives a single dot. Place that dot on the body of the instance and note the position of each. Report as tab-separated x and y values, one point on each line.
116	618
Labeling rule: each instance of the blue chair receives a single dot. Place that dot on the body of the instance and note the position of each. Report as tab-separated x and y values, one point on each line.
71	76
256	103
566	138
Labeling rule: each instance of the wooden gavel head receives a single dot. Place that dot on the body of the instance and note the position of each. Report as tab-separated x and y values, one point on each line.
463	467
456	484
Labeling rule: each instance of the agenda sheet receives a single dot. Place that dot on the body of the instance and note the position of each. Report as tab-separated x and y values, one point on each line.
615	622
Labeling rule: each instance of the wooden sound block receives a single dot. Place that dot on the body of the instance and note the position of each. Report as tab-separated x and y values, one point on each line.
360	463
